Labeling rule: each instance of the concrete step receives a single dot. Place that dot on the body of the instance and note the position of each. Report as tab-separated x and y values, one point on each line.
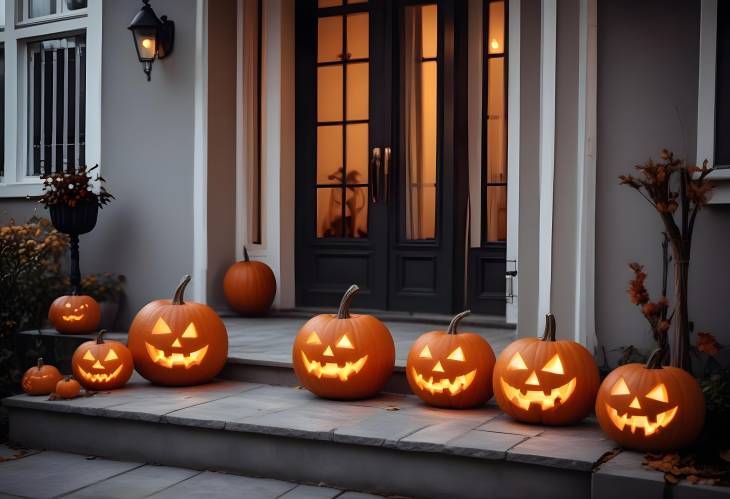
391	444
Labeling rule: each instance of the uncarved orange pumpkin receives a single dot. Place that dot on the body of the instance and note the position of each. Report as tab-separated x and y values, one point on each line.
40	379
74	314
102	364
174	342
249	286
546	381
649	407
451	369
343	356
68	388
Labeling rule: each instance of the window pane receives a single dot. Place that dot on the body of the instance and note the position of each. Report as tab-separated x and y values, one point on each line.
329	39
496	27
329	212
56	104
329	154
356	212
38	8
2	12
358	35
329	3
357	154
2	111
429	29
497	213
496	122
329	93
357	91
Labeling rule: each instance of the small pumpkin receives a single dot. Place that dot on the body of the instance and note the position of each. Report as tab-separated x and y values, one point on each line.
249	286
174	342
102	364
451	369
546	381
75	314
649	407
40	379
68	388
344	356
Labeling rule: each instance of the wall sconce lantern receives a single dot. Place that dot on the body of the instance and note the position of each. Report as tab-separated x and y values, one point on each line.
153	36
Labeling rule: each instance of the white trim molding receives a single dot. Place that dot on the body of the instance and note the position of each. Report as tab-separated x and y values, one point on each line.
200	155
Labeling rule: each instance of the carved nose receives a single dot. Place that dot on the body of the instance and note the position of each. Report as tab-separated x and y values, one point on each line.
97	365
635	404
532	380
438	367
176	343
328	352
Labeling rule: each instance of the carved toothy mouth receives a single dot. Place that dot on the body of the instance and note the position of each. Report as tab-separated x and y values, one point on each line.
662	420
455	387
546	401
332	369
72	318
100	377
176	358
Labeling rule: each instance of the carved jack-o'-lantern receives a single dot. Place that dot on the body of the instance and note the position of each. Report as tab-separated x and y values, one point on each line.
178	343
74	314
450	369
344	356
40	379
546	381
102	364
650	407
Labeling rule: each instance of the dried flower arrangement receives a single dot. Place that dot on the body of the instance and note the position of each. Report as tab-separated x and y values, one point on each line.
73	186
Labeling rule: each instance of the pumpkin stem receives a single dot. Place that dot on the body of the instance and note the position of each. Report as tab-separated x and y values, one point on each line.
456	320
40	362
100	337
344	311
180	291
245	254
656	358
67	378
549	334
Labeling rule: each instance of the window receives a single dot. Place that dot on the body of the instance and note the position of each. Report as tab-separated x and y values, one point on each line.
722	87
50	69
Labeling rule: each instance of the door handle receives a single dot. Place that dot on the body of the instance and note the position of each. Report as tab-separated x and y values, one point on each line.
374	174
386	174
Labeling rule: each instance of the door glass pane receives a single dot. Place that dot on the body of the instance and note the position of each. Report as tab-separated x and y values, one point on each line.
329	93
357	36
329	154
329	3
329	39
420	103
356	212
357	154
329	212
357	91
38	8
497	213
495	40
496	122
350	2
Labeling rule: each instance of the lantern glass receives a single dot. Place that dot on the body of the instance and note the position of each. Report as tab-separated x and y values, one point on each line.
145	39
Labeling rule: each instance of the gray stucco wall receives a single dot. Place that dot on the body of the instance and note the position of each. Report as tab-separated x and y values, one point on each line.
147	159
647	100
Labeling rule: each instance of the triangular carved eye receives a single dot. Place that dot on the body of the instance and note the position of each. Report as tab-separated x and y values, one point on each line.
620	388
190	331
659	393
314	339
554	365
161	327
112	355
345	343
457	355
517	363
425	353
89	356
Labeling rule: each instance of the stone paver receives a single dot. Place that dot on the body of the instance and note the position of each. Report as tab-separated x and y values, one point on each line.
224	486
502	423
311	492
482	444
139	482
561	452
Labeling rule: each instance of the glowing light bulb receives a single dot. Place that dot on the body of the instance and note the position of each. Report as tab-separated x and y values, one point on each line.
147	43
495	44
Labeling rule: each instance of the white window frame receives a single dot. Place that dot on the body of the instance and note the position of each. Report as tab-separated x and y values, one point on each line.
15	38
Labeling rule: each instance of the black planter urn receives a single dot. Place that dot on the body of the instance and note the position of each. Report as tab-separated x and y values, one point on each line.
73	221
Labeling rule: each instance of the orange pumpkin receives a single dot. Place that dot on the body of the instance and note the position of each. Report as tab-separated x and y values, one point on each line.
40	379
344	356
74	314
68	388
249	286
546	381
178	343
451	369
649	407
102	364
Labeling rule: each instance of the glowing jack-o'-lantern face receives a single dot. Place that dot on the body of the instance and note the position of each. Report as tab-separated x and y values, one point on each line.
451	369
546	381
343	356
75	314
102	364
650	408
178	343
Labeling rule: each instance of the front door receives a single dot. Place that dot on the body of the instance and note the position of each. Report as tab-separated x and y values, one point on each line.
381	169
